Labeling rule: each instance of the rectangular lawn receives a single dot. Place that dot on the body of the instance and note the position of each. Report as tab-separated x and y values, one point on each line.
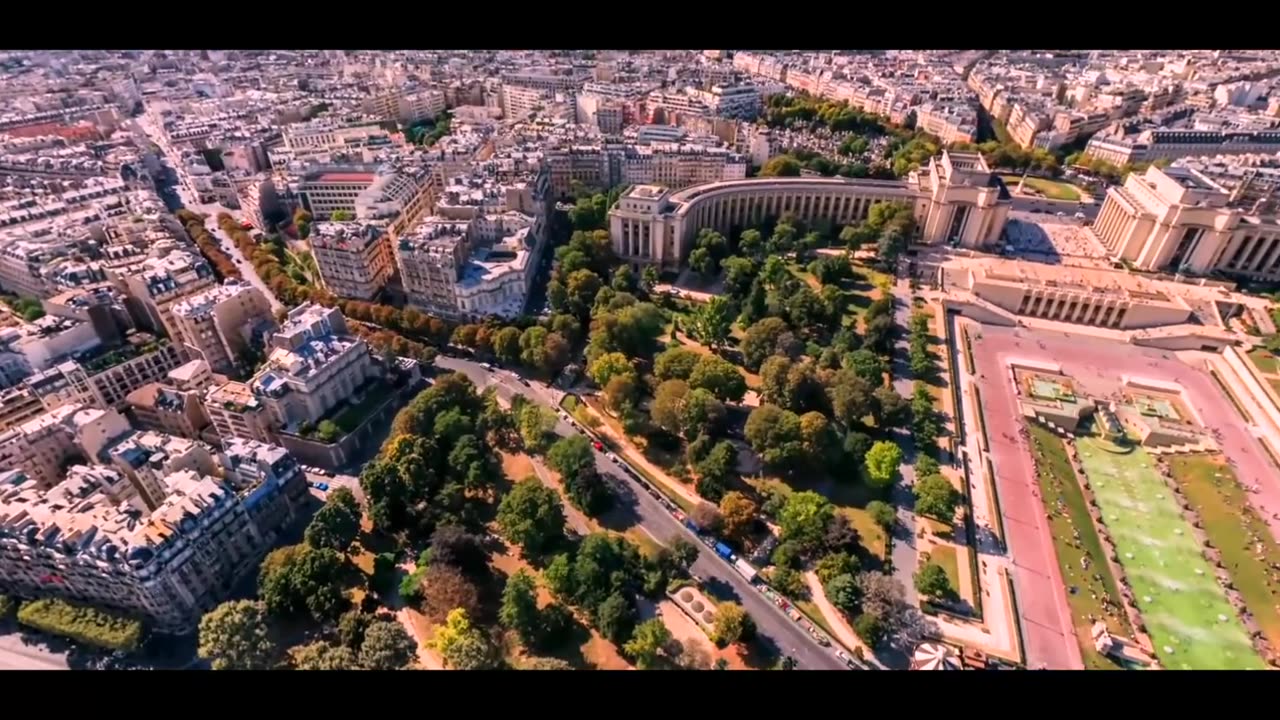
1249	550
1191	623
1068	512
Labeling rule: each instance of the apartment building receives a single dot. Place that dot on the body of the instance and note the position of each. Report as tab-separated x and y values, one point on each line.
148	457
235	412
676	165
519	101
950	123
219	324
1180	219
956	199
162	282
470	269
407	106
41	447
354	258
158	407
18	405
366	193
169	565
313	365
104	376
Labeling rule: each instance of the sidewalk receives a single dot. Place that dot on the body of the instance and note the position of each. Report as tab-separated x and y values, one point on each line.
428	659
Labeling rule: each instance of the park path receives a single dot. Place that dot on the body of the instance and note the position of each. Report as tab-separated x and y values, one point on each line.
415	624
835	619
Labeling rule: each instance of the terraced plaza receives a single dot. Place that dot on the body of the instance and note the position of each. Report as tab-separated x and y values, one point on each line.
1191	623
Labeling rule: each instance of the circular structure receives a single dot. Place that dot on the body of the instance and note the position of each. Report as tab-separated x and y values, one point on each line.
697	606
934	656
686	596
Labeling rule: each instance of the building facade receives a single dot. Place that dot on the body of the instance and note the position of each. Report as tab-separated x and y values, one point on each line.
955	199
354	258
219	324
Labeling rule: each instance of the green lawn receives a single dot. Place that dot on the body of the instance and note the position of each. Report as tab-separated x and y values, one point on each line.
1237	531
1265	360
848	498
945	556
1052	189
350	417
1191	623
1064	501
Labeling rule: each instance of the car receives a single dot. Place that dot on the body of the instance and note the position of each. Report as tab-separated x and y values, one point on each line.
1061	214
486	366
1079	216
596	444
524	382
611	456
322	487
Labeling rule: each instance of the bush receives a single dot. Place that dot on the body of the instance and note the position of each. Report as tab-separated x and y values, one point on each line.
327	431
7	606
85	625
411	586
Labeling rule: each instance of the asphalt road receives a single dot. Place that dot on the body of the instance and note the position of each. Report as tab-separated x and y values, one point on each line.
722	581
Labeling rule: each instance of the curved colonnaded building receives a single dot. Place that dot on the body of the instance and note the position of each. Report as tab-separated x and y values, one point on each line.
956	199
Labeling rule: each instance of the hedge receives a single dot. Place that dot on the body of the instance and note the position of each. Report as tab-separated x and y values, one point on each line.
85	625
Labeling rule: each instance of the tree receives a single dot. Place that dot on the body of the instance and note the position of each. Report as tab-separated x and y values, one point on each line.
352	626
675	363
731	624
774	434
683	552
323	656
756	305
620	392
624	279
506	345
303	579
738	274
615	617
715	470
444	589
452	545
836	563
843	592
936	497
609	365
852	398
581	288
816	436
387	646
531	516
931	581
462	646
707	517
882	513
867	365
870	628
856	445
719	377
788	581
804	518
893	410
760	341
739	515
701	261
773	381
647	642
882	463
236	636
570	455
535	424
781	166
702	413
336	525
649	278
751	243
667	408
519	610
712	321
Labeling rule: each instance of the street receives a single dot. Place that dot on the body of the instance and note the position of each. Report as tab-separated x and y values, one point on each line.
722	581
188	200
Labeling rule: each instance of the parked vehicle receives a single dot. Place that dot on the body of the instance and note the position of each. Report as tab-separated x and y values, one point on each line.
724	551
596	444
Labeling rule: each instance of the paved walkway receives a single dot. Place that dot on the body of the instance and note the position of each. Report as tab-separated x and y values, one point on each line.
905	553
999	630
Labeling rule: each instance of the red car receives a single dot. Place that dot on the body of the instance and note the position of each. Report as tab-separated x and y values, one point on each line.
597	445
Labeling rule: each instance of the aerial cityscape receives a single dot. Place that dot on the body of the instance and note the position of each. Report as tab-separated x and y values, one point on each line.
640	360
